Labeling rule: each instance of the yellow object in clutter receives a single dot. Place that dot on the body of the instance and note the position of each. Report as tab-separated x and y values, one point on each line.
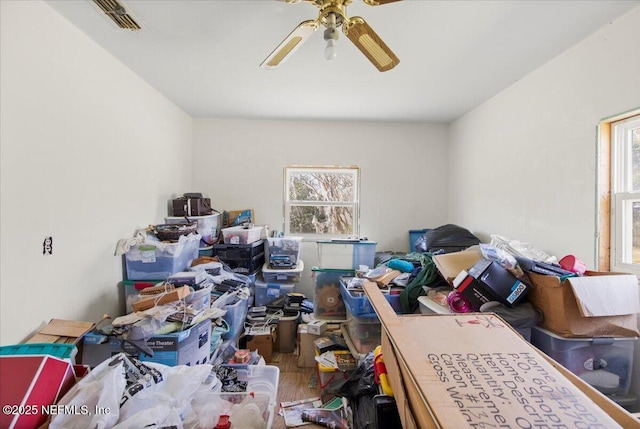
380	372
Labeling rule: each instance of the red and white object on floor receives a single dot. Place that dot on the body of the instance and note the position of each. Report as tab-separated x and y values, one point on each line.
31	383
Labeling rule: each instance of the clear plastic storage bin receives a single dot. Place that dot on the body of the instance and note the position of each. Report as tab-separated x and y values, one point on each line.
328	303
283	276
208	226
235	316
365	331
241	235
343	254
603	362
266	293
158	260
288	247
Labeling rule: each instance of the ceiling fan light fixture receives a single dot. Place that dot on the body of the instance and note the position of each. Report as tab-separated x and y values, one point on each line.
332	15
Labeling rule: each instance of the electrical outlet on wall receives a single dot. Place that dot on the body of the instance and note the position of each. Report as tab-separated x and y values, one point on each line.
47	246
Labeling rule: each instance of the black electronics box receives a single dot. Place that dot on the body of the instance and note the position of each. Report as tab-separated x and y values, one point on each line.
190	205
497	283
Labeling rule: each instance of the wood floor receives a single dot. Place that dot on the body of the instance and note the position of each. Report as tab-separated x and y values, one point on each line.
295	383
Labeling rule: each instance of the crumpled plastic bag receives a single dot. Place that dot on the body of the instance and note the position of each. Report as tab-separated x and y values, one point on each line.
132	394
102	388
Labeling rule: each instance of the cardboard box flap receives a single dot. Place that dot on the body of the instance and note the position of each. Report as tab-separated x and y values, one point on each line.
450	264
606	295
67	328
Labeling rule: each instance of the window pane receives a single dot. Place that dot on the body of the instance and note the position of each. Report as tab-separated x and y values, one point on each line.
335	220
636	232
322	186
635	158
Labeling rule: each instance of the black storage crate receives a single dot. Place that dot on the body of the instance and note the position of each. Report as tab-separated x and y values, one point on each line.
239	251
245	265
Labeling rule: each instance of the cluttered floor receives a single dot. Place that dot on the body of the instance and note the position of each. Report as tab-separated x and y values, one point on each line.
295	383
148	365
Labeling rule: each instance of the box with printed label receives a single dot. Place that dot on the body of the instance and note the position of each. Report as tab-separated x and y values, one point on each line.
479	372
498	283
188	347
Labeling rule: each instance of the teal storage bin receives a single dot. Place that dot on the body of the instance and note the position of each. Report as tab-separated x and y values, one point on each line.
59	350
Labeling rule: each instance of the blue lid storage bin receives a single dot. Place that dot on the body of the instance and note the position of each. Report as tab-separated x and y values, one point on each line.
360	305
346	254
154	260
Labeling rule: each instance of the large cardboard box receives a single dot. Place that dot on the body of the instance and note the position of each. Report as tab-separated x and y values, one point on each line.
306	348
596	305
473	370
262	341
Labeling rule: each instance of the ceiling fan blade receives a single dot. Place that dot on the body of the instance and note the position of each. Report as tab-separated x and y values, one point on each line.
372	46
289	45
378	2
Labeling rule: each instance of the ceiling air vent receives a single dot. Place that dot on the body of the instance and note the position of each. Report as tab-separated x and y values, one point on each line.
118	14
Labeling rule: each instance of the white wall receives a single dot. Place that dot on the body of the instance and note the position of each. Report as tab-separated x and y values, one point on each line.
89	153
239	164
524	165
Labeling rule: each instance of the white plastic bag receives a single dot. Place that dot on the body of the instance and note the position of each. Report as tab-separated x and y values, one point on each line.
101	389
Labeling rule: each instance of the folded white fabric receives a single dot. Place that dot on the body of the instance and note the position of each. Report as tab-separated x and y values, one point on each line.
125	244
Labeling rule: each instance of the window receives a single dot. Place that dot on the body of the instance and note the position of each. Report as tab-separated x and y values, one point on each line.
625	195
322	201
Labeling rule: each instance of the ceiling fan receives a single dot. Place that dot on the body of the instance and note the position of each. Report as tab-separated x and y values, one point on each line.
333	14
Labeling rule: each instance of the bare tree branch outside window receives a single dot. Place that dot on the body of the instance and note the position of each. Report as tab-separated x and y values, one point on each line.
321	201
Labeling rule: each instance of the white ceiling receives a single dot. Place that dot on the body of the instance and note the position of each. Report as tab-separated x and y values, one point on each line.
454	55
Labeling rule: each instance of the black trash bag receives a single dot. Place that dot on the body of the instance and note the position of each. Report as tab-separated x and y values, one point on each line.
446	239
360	389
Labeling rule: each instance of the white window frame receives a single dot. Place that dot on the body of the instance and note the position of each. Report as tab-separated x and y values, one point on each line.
622	196
355	203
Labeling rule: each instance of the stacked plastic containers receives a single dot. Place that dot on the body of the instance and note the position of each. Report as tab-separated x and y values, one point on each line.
243	250
280	274
337	258
208	228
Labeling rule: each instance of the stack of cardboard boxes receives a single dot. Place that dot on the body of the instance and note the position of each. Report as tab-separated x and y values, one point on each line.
590	327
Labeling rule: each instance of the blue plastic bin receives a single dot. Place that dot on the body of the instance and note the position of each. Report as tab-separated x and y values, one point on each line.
414	234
